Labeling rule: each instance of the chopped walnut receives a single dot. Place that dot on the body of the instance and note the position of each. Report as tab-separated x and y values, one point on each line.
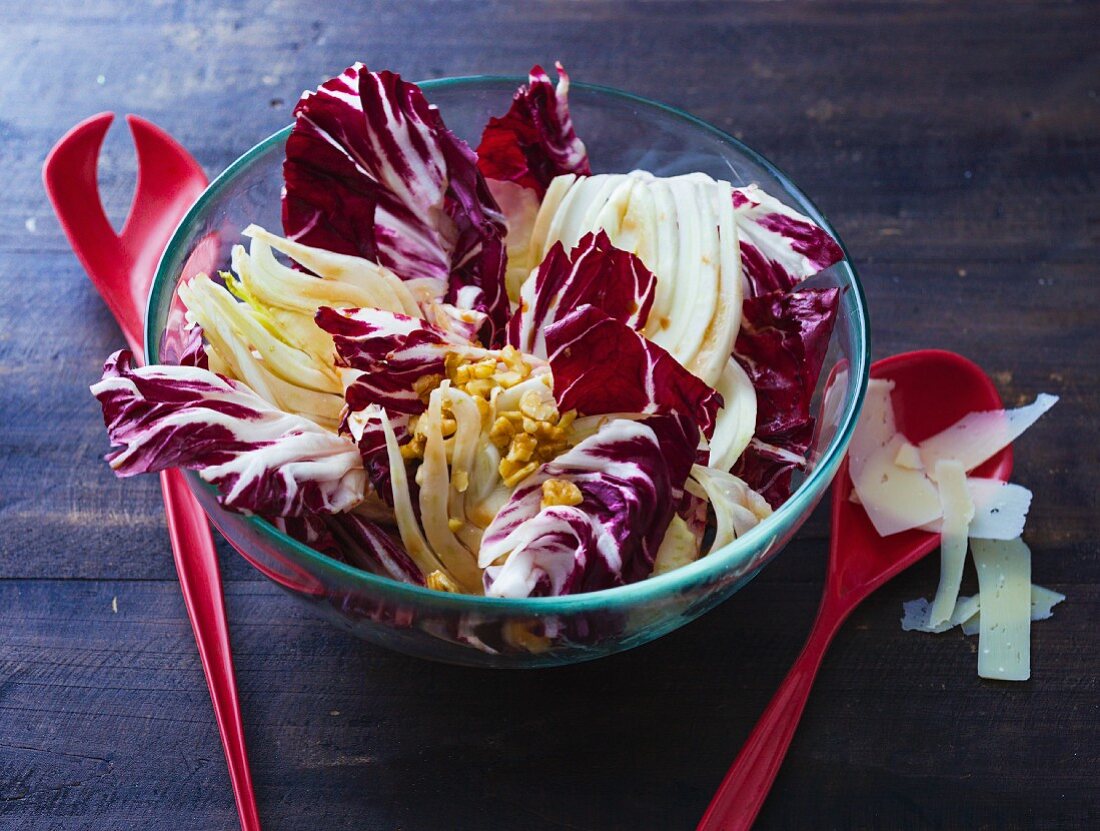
533	433
502	432
424	385
512	473
535	407
560	492
523	447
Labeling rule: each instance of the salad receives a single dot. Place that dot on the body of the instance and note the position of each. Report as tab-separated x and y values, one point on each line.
491	371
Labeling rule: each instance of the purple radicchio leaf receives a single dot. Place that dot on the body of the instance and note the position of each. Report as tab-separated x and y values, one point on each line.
365	545
535	140
631	476
595	273
767	468
479	259
372	171
601	365
781	347
366	429
354	540
309	529
388	360
387	357
261	459
461	323
779	246
193	352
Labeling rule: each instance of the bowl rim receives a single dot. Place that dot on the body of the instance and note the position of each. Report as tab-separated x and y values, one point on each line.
711	566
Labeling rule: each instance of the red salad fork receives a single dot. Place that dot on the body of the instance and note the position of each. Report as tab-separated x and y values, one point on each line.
860	561
121	267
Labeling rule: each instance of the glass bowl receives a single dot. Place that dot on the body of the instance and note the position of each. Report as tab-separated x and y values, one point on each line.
622	132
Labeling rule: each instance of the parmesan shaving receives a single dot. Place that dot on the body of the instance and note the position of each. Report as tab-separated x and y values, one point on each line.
1004	581
965	609
909	457
898	488
1000	509
895	499
876	426
977	436
916	613
958	510
972	624
1043	602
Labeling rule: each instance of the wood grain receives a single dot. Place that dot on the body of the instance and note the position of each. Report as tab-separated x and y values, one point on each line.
956	147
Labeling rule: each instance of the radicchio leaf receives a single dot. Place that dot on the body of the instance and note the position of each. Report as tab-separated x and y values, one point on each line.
535	140
366	546
386	356
366	429
193	351
365	174
479	261
781	347
261	459
309	529
601	365
372	171
779	246
596	273
352	539
631	476
767	468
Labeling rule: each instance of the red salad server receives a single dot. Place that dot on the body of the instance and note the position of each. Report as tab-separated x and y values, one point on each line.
121	266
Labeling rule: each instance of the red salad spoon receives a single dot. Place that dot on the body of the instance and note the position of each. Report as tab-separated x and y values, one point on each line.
121	266
933	389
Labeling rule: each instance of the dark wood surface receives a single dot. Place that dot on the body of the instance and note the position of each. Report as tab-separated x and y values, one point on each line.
956	147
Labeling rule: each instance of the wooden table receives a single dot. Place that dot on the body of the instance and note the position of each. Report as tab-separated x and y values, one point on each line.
956	148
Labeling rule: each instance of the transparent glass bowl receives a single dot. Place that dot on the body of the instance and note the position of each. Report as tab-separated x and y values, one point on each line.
622	132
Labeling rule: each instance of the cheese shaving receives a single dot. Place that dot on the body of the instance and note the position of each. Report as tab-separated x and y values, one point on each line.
958	510
902	486
1043	602
898	490
972	624
908	457
916	613
896	499
977	436
1000	509
1004	582
876	426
